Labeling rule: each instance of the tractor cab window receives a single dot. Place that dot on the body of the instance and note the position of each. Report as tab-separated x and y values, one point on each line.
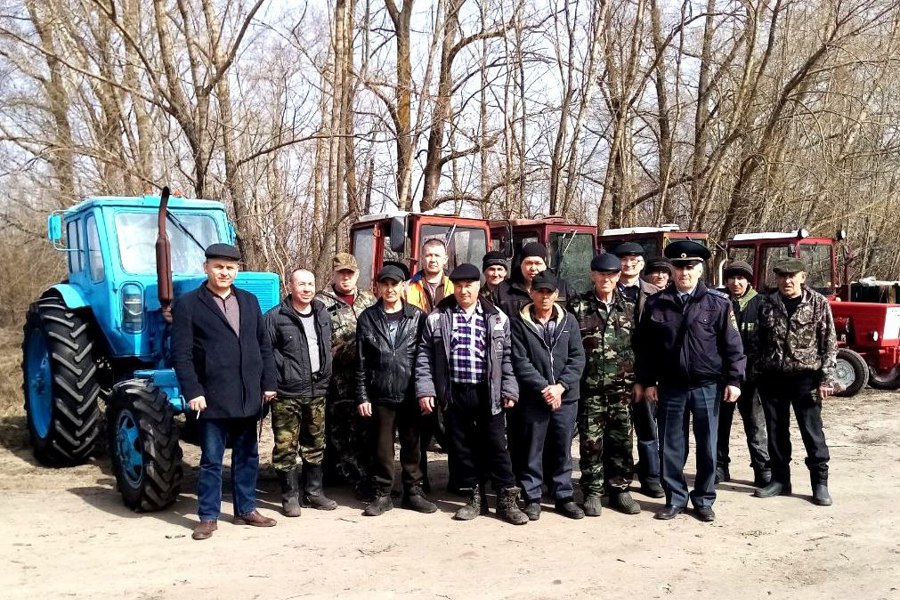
73	243
818	267
770	256
651	247
570	258
136	234
468	244
748	255
364	251
95	256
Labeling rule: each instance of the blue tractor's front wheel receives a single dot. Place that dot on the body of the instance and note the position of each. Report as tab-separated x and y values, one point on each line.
60	384
143	445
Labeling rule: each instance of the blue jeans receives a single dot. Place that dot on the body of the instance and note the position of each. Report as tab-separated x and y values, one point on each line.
676	405
244	466
544	429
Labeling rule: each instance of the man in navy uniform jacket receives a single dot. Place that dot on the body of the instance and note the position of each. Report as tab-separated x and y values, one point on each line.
688	354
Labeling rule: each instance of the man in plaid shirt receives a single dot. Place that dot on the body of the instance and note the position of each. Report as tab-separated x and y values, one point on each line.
465	363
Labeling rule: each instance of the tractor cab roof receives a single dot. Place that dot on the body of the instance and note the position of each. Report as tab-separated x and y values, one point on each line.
144	202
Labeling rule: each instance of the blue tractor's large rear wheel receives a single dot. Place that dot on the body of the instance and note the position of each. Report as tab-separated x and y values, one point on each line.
143	445
60	382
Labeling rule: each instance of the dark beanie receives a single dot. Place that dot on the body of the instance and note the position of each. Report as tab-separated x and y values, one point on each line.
534	249
493	258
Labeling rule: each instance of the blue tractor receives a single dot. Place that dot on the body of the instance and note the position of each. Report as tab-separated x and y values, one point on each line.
101	336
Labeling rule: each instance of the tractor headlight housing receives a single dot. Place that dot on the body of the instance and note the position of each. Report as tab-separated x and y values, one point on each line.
132	308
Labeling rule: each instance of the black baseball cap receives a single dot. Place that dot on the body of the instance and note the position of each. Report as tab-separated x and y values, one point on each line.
545	280
390	272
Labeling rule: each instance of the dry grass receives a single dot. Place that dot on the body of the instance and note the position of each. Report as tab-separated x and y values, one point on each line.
13	429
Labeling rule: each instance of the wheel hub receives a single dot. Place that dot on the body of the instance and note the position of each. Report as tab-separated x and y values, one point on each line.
40	384
127	448
844	373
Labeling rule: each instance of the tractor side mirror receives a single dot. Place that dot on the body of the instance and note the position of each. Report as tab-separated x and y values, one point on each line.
232	234
54	229
841	235
398	235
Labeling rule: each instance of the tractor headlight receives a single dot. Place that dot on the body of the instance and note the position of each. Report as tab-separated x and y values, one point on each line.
132	308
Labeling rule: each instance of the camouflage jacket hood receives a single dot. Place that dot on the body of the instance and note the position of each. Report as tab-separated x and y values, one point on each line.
606	335
343	321
805	341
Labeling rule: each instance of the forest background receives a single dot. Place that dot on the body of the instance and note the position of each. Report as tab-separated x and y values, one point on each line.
722	116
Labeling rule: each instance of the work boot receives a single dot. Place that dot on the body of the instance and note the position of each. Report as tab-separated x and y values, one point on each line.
567	508
775	488
204	530
722	474
592	505
821	497
414	499
653	489
254	519
472	507
290	492
532	510
761	477
312	493
380	505
623	502
507	507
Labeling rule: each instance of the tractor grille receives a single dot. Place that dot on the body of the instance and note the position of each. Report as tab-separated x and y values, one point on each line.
265	286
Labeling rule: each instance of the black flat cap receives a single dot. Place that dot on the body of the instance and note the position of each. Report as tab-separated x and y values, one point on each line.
789	266
390	272
658	264
629	249
606	263
465	272
738	268
402	266
493	258
534	249
223	251
545	280
685	251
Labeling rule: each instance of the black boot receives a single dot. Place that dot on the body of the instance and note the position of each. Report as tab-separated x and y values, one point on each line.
775	488
722	473
380	504
761	477
472	507
508	508
414	499
290	492
821	497
312	492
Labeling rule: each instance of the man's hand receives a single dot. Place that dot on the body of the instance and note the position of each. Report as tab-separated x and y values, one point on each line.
365	409
825	391
553	393
197	404
426	403
268	397
509	403
651	394
732	393
637	393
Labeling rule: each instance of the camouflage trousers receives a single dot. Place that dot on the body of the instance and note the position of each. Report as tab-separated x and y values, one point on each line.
349	439
298	425
605	437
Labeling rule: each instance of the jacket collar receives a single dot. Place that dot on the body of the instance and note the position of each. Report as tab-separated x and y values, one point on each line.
408	309
671	293
328	292
558	314
449	303
287	308
420	277
207	298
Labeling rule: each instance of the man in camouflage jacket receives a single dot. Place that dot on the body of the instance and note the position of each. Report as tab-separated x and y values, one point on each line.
606	321
346	432
797	353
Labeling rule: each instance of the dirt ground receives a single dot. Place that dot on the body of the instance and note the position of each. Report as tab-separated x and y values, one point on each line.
66	534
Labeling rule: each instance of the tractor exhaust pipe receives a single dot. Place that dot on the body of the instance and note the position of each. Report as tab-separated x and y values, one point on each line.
164	259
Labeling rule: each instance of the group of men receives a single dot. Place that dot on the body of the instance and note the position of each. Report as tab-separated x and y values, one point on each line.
510	368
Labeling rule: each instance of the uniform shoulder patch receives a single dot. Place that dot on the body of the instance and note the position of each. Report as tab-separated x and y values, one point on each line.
718	294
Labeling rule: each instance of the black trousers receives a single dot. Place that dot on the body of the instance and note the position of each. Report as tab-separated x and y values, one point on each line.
779	393
404	419
477	439
750	407
643	415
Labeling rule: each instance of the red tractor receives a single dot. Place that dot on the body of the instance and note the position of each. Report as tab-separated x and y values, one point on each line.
399	237
868	332
653	239
570	248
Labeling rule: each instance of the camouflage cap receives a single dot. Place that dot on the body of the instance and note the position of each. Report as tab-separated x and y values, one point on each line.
343	261
789	266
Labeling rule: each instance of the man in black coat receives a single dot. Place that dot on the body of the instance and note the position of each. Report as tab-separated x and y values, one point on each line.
688	353
299	330
387	335
514	293
548	359
226	371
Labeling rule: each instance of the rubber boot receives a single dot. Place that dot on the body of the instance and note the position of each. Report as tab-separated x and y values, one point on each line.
622	501
312	493
821	497
508	508
593	505
775	488
472	507
290	492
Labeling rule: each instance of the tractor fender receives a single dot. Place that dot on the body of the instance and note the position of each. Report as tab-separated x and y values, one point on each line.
70	294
